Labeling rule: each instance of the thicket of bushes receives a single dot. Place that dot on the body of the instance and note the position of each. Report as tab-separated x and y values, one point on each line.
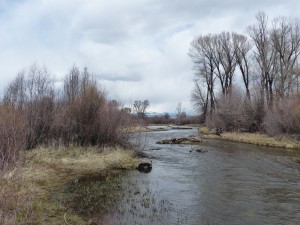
12	137
284	118
238	114
34	112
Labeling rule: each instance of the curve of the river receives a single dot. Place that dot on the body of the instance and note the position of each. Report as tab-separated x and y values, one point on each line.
231	183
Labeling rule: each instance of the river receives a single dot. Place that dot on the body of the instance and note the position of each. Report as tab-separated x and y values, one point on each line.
230	183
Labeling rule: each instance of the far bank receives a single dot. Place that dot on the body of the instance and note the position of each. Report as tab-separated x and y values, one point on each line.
287	142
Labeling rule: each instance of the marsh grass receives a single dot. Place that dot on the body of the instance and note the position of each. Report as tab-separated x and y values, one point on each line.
25	192
257	139
117	199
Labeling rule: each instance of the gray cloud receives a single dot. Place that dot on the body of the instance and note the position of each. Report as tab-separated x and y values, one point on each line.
118	77
137	48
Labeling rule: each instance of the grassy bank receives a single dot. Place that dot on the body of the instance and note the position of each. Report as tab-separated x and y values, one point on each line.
253	138
25	192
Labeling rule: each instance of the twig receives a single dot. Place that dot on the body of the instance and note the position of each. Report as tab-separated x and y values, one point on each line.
66	219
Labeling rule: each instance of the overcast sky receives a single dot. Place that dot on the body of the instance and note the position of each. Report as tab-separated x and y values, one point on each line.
137	49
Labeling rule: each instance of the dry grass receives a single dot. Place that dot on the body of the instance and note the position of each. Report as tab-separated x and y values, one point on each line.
84	160
25	192
257	139
204	131
138	128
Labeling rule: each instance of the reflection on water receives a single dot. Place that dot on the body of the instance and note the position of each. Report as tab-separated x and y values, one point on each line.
231	183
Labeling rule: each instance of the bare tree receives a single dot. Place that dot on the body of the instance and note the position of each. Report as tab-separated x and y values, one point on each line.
140	107
264	55
181	114
224	60
199	99
242	47
202	54
285	37
269	66
179	109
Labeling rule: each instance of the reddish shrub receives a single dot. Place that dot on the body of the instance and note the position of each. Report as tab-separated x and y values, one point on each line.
12	137
283	118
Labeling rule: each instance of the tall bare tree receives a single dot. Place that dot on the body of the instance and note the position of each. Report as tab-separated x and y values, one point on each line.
264	55
285	37
242	55
202	54
225	60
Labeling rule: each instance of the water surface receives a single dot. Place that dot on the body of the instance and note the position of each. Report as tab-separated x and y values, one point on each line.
231	183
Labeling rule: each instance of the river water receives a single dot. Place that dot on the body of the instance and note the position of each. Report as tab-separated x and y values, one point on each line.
231	183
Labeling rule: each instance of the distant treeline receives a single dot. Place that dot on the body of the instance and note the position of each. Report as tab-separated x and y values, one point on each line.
33	112
166	119
266	62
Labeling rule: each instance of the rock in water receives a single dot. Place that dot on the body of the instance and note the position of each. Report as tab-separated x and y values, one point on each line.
145	166
201	150
183	140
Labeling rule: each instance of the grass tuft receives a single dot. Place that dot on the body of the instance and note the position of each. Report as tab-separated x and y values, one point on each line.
204	131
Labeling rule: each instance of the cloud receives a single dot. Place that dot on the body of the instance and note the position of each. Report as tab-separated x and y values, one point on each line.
119	77
136	48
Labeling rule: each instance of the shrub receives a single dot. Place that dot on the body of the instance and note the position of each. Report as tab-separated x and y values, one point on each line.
283	118
237	113
229	112
81	115
32	94
12	137
89	118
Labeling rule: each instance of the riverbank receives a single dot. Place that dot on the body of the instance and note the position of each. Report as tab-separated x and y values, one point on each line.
154	128
25	192
253	138
160	127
